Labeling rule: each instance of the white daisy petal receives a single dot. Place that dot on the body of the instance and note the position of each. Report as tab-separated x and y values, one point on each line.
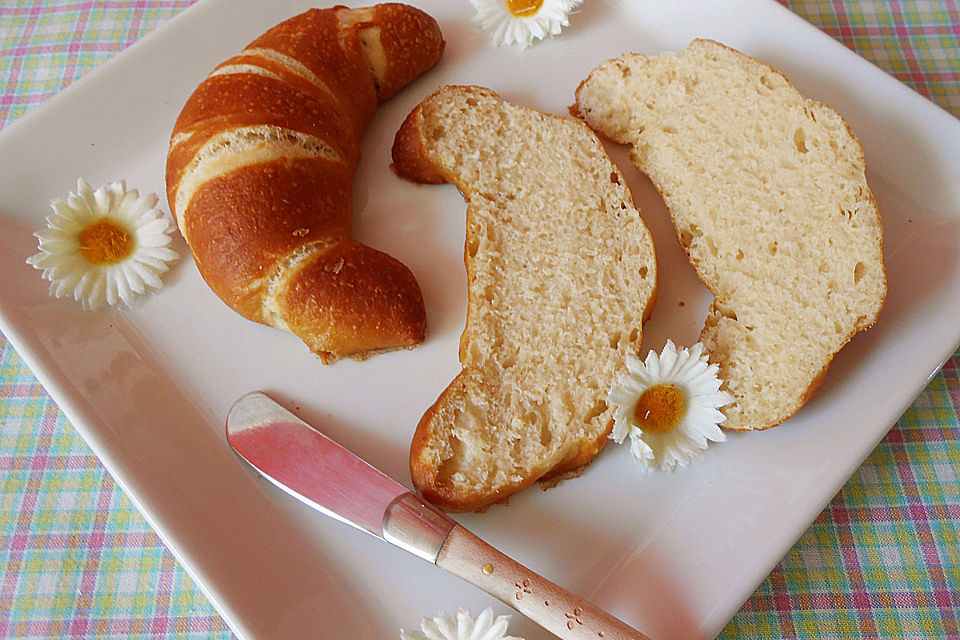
70	279
57	244
622	396
110	292
537	20
668	359
714	433
635	366
93	282
696	351
642	453
463	627
652	364
131	279
43	261
104	199
151	257
148	276
124	290
151	227
65	214
669	440
149	201
92	290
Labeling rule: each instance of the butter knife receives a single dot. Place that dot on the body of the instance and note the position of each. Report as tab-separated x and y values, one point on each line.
316	470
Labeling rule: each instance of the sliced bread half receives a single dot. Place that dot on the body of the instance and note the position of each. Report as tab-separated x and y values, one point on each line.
768	195
561	274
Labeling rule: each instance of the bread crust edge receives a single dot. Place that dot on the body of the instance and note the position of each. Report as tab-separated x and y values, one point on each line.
411	160
818	378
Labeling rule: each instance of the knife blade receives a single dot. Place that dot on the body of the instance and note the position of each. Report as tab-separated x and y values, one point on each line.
319	472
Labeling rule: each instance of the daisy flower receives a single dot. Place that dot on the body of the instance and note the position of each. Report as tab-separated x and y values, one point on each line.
523	21
463	627
669	405
108	245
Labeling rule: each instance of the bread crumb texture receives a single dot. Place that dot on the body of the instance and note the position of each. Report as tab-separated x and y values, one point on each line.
561	271
768	195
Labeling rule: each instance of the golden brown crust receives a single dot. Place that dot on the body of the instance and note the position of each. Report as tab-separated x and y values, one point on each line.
281	204
410	34
332	54
262	158
349	298
410	158
426	475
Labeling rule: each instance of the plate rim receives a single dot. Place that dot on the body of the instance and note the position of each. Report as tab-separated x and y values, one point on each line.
84	423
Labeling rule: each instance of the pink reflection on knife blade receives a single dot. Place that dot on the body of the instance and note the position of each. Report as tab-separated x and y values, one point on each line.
318	471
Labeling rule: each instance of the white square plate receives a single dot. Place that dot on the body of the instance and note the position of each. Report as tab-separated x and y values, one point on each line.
673	554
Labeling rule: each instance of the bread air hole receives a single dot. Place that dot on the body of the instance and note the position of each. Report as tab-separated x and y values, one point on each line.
799	139
595	411
687	234
726	312
712	247
546	438
449	466
858	272
473	245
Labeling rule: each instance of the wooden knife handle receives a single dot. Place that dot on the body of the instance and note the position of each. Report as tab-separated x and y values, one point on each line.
555	609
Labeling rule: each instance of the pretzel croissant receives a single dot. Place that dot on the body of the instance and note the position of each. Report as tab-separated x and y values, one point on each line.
260	168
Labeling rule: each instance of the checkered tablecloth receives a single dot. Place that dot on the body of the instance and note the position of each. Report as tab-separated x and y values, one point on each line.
77	560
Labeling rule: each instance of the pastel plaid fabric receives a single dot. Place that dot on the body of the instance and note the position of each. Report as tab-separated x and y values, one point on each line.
78	561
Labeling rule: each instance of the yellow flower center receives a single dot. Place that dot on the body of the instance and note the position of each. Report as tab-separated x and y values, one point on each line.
659	408
105	242
524	8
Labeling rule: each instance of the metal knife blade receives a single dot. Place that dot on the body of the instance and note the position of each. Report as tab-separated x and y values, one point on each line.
316	470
